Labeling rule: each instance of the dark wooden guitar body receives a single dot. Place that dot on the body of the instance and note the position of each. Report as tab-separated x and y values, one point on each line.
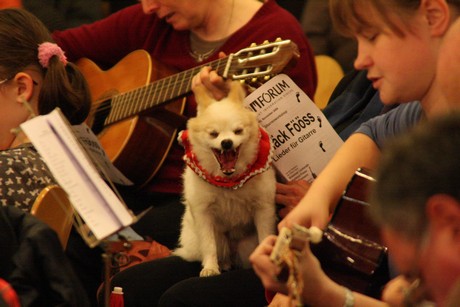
351	252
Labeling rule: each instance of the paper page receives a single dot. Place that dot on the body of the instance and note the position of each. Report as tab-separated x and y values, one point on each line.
302	138
100	159
91	197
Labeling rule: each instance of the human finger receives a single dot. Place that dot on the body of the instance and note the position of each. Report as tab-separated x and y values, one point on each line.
217	87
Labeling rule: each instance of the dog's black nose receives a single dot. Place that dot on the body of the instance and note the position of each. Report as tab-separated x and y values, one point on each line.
226	144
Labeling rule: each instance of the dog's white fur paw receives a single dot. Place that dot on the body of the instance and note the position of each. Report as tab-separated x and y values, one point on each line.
206	272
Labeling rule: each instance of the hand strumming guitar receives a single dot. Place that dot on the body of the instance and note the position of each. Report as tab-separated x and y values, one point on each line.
306	282
283	263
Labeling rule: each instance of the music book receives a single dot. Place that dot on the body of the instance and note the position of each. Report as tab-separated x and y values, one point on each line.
302	139
96	203
93	147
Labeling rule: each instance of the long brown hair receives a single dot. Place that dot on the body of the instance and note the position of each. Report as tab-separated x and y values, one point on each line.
63	85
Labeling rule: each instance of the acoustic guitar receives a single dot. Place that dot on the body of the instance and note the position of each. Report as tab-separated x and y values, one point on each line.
351	251
138	103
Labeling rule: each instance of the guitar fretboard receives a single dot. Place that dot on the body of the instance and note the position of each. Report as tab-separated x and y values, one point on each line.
253	62
133	102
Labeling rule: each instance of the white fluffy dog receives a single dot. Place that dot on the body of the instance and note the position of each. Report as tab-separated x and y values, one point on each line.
229	184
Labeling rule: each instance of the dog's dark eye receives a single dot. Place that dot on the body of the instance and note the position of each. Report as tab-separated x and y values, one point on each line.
214	134
238	131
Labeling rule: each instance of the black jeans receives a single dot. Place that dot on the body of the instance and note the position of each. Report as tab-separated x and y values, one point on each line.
173	281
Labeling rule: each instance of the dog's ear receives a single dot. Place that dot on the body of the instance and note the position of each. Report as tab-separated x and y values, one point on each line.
202	97
237	92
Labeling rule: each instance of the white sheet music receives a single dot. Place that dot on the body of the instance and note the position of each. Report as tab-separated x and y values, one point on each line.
92	146
95	202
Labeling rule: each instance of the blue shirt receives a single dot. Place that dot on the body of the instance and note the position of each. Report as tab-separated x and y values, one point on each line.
392	123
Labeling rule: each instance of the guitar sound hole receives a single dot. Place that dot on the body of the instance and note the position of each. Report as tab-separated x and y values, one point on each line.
101	114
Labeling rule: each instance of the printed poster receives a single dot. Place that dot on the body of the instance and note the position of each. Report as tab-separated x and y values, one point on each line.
303	140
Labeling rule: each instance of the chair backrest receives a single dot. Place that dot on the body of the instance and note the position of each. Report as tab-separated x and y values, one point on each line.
53	207
329	74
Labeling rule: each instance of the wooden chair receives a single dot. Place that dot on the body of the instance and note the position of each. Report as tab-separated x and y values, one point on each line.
53	207
329	74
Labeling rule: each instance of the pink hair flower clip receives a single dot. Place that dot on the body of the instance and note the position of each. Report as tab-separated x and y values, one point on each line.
47	50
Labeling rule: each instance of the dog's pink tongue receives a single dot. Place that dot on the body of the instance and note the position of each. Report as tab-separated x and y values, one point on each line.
227	161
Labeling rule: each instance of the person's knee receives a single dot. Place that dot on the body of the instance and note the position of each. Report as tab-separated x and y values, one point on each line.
182	293
171	298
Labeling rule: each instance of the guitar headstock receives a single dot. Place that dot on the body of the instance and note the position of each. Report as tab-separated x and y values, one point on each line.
294	239
286	252
261	61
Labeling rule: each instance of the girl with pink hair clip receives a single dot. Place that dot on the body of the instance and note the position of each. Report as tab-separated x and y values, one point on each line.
35	78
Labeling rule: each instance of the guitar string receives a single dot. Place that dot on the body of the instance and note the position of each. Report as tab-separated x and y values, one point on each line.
187	73
125	105
160	90
152	85
159	86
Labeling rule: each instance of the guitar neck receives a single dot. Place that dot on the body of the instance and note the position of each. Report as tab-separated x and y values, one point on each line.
159	92
255	62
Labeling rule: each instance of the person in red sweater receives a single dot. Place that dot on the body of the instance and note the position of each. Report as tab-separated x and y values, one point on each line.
183	35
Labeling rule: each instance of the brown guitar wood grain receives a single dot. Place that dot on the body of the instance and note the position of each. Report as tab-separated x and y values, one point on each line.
129	143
